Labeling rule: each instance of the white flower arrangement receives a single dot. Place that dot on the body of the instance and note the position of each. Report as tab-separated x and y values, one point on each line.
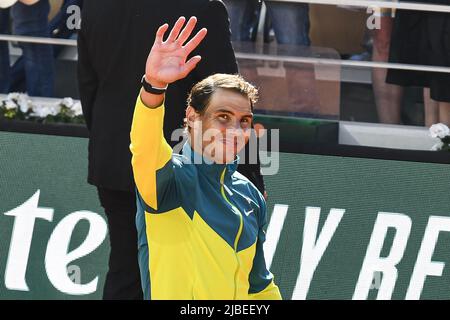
441	132
18	106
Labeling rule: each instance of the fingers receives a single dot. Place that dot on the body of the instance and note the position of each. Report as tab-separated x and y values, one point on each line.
190	65
186	33
176	29
195	41
160	33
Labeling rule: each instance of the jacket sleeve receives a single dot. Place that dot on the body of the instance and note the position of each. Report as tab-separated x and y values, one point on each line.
262	285
152	159
87	79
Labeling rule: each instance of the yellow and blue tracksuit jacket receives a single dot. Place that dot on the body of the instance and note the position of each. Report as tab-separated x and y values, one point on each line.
200	226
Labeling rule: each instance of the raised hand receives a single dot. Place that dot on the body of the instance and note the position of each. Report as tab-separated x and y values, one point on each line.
166	62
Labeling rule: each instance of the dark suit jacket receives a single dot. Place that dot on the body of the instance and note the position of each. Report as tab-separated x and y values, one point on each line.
113	44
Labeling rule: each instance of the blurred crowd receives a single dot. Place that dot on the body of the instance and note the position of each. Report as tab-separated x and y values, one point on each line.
34	71
402	36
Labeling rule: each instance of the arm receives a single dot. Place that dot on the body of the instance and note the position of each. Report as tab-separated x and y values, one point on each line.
262	285
151	154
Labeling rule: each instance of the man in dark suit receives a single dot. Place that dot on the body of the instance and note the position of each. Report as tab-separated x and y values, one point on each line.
113	45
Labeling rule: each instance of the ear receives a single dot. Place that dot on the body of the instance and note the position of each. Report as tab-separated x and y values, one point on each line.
191	116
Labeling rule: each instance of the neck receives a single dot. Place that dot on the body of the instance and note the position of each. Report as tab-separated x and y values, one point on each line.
209	168
199	150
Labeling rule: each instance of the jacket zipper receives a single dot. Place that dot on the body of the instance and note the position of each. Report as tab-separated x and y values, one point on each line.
238	236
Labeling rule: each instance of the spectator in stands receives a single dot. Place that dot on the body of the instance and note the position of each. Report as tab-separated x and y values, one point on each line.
388	97
423	38
248	13
290	21
250	26
29	20
59	30
113	49
58	25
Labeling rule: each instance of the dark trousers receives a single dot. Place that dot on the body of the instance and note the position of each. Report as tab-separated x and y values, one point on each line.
123	278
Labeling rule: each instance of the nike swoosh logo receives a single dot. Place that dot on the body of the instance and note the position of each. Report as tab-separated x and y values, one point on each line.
247	213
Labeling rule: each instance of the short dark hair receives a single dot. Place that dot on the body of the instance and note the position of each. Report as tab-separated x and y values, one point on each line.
201	94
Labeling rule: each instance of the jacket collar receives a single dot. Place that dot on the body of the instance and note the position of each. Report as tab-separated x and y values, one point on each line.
207	166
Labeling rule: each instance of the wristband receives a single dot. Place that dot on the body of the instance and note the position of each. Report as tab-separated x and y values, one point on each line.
150	89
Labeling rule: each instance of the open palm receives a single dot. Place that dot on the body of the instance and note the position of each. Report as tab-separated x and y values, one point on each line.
166	62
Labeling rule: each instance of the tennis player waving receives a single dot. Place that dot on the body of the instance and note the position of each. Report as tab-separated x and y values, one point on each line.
200	223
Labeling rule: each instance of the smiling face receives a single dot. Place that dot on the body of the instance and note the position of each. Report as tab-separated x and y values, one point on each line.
219	116
223	129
